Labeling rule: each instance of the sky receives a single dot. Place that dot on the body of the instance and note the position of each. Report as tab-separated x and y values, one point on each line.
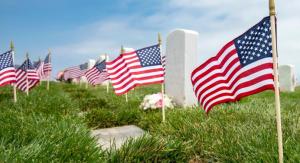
78	30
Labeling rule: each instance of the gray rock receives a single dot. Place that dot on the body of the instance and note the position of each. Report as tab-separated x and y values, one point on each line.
108	137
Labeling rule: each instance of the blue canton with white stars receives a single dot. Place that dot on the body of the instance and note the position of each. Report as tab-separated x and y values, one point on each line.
6	60
101	66
47	59
255	44
149	56
83	66
36	64
27	65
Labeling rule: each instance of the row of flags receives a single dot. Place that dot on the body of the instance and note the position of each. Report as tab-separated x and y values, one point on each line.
24	76
129	70
243	67
135	68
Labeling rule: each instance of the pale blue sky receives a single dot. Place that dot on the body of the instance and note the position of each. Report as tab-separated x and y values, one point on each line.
78	30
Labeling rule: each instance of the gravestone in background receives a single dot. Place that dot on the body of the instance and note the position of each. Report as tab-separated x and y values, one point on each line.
287	79
181	60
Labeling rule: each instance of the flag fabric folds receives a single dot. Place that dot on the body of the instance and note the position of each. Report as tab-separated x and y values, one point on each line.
243	67
131	69
7	69
75	72
47	67
27	76
43	68
39	66
97	74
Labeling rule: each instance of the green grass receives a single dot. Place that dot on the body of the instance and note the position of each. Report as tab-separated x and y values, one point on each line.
46	127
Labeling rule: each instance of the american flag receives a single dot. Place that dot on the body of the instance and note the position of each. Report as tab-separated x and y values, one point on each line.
47	68
38	65
97	74
131	69
7	69
242	67
75	71
26	72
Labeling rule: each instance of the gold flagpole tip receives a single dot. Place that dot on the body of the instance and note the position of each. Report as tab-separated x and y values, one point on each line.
272	7
12	46
159	39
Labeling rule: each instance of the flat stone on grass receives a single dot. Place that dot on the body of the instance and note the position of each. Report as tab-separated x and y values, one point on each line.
118	135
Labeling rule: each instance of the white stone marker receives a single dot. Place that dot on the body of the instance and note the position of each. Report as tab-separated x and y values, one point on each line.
91	63
181	60
287	79
118	135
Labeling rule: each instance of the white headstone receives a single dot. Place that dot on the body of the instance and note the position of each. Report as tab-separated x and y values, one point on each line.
287	78
91	63
102	57
181	59
126	50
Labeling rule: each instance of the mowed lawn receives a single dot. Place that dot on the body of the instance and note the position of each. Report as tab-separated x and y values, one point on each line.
55	126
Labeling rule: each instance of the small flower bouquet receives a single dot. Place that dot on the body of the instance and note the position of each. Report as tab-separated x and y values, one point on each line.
154	101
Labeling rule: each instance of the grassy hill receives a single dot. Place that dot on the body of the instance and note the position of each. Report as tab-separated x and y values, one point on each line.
54	126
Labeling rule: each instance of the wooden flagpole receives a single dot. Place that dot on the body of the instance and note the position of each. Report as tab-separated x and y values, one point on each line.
162	86
12	48
122	51
275	69
107	82
86	84
27	64
48	73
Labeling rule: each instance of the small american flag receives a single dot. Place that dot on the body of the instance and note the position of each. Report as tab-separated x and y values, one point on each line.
243	67
26	75
7	69
75	71
38	65
47	68
131	69
97	74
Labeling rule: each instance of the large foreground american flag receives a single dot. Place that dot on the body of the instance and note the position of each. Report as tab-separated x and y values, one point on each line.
7	69
131	69
97	74
242	67
27	73
75	72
